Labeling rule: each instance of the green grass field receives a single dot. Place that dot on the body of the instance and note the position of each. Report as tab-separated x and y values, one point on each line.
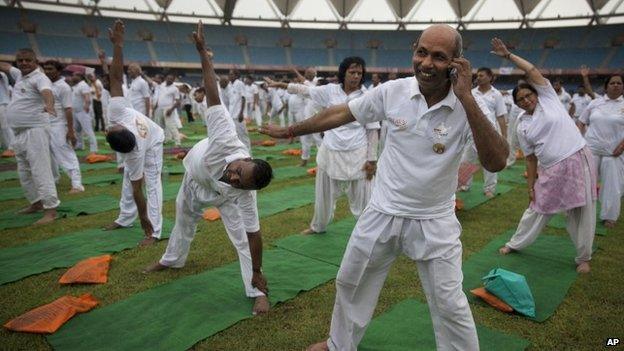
592	311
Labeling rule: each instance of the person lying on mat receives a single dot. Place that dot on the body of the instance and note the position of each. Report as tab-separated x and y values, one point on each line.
140	143
219	172
556	151
430	117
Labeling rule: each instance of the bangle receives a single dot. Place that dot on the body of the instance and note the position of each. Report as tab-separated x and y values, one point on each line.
291	132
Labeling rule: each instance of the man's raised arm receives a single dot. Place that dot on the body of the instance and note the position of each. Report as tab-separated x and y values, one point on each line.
208	73
116	35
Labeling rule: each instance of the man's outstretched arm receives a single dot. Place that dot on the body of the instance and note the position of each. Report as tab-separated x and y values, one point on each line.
330	118
116	35
208	73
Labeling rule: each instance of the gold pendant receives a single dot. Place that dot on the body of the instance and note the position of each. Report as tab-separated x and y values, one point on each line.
439	148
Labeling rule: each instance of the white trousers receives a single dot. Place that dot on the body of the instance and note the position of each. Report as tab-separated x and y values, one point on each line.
171	127
581	225
280	117
291	117
255	114
376	241
34	166
83	124
307	141
64	156
611	171
7	132
512	140
191	200
128	211
328	190
489	179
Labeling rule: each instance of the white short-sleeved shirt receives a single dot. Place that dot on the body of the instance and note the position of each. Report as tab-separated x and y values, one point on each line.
147	133
250	91
97	84
493	99
350	136
549	133
207	160
275	98
605	120
236	91
580	103
139	90
26	109
62	99
78	92
412	180
167	95
564	98
295	103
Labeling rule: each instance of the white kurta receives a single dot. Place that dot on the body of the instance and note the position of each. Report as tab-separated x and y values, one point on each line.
143	162
63	154
236	91
201	188
5	98
83	123
605	120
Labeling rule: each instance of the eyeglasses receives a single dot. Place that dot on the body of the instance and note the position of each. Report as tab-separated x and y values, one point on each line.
525	97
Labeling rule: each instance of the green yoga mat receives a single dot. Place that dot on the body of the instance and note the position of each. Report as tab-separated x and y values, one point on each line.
475	196
270	157
277	147
273	202
407	327
78	207
559	221
103	179
548	265
11	193
8	175
64	251
96	166
513	174
290	172
328	247
177	315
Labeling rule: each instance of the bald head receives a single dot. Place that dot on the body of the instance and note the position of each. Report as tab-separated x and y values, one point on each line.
445	35
134	70
310	73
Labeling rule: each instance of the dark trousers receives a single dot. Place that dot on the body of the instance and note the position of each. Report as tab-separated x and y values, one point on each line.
99	118
189	114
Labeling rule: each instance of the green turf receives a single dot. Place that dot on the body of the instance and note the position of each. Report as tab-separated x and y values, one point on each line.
513	174
175	316
476	197
77	207
64	251
559	221
97	166
11	193
407	327
8	175
102	179
548	266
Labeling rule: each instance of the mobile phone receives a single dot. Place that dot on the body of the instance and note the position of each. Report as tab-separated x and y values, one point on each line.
451	73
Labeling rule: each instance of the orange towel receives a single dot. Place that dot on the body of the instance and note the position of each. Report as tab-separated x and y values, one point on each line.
93	270
312	171
269	142
492	300
48	318
292	152
7	154
211	214
95	158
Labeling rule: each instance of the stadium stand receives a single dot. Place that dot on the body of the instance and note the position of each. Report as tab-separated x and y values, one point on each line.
64	36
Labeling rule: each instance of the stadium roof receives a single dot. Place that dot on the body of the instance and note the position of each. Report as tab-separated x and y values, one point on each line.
351	14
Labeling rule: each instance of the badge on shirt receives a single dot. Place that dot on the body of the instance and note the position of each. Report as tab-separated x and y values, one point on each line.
440	133
141	128
400	123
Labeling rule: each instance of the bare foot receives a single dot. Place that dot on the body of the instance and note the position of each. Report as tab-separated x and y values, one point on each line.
112	226
147	241
505	250
76	190
321	346
582	267
308	231
489	194
155	267
608	224
261	306
48	217
303	163
36	207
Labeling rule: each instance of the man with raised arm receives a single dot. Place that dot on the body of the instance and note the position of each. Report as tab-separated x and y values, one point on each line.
219	172
140	142
430	118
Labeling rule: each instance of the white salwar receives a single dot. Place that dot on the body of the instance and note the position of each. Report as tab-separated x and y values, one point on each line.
64	156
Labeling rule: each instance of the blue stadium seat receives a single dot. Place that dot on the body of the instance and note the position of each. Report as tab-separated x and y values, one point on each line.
482	58
310	57
267	55
77	47
617	61
394	58
225	54
10	42
574	58
133	50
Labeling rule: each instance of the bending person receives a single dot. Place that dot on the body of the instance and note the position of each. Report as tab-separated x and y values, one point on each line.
347	157
605	137
139	141
219	172
566	181
411	210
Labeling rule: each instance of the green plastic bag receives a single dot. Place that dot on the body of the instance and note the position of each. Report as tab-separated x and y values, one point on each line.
512	288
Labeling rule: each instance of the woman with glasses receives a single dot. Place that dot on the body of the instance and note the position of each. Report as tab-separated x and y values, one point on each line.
567	181
604	120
